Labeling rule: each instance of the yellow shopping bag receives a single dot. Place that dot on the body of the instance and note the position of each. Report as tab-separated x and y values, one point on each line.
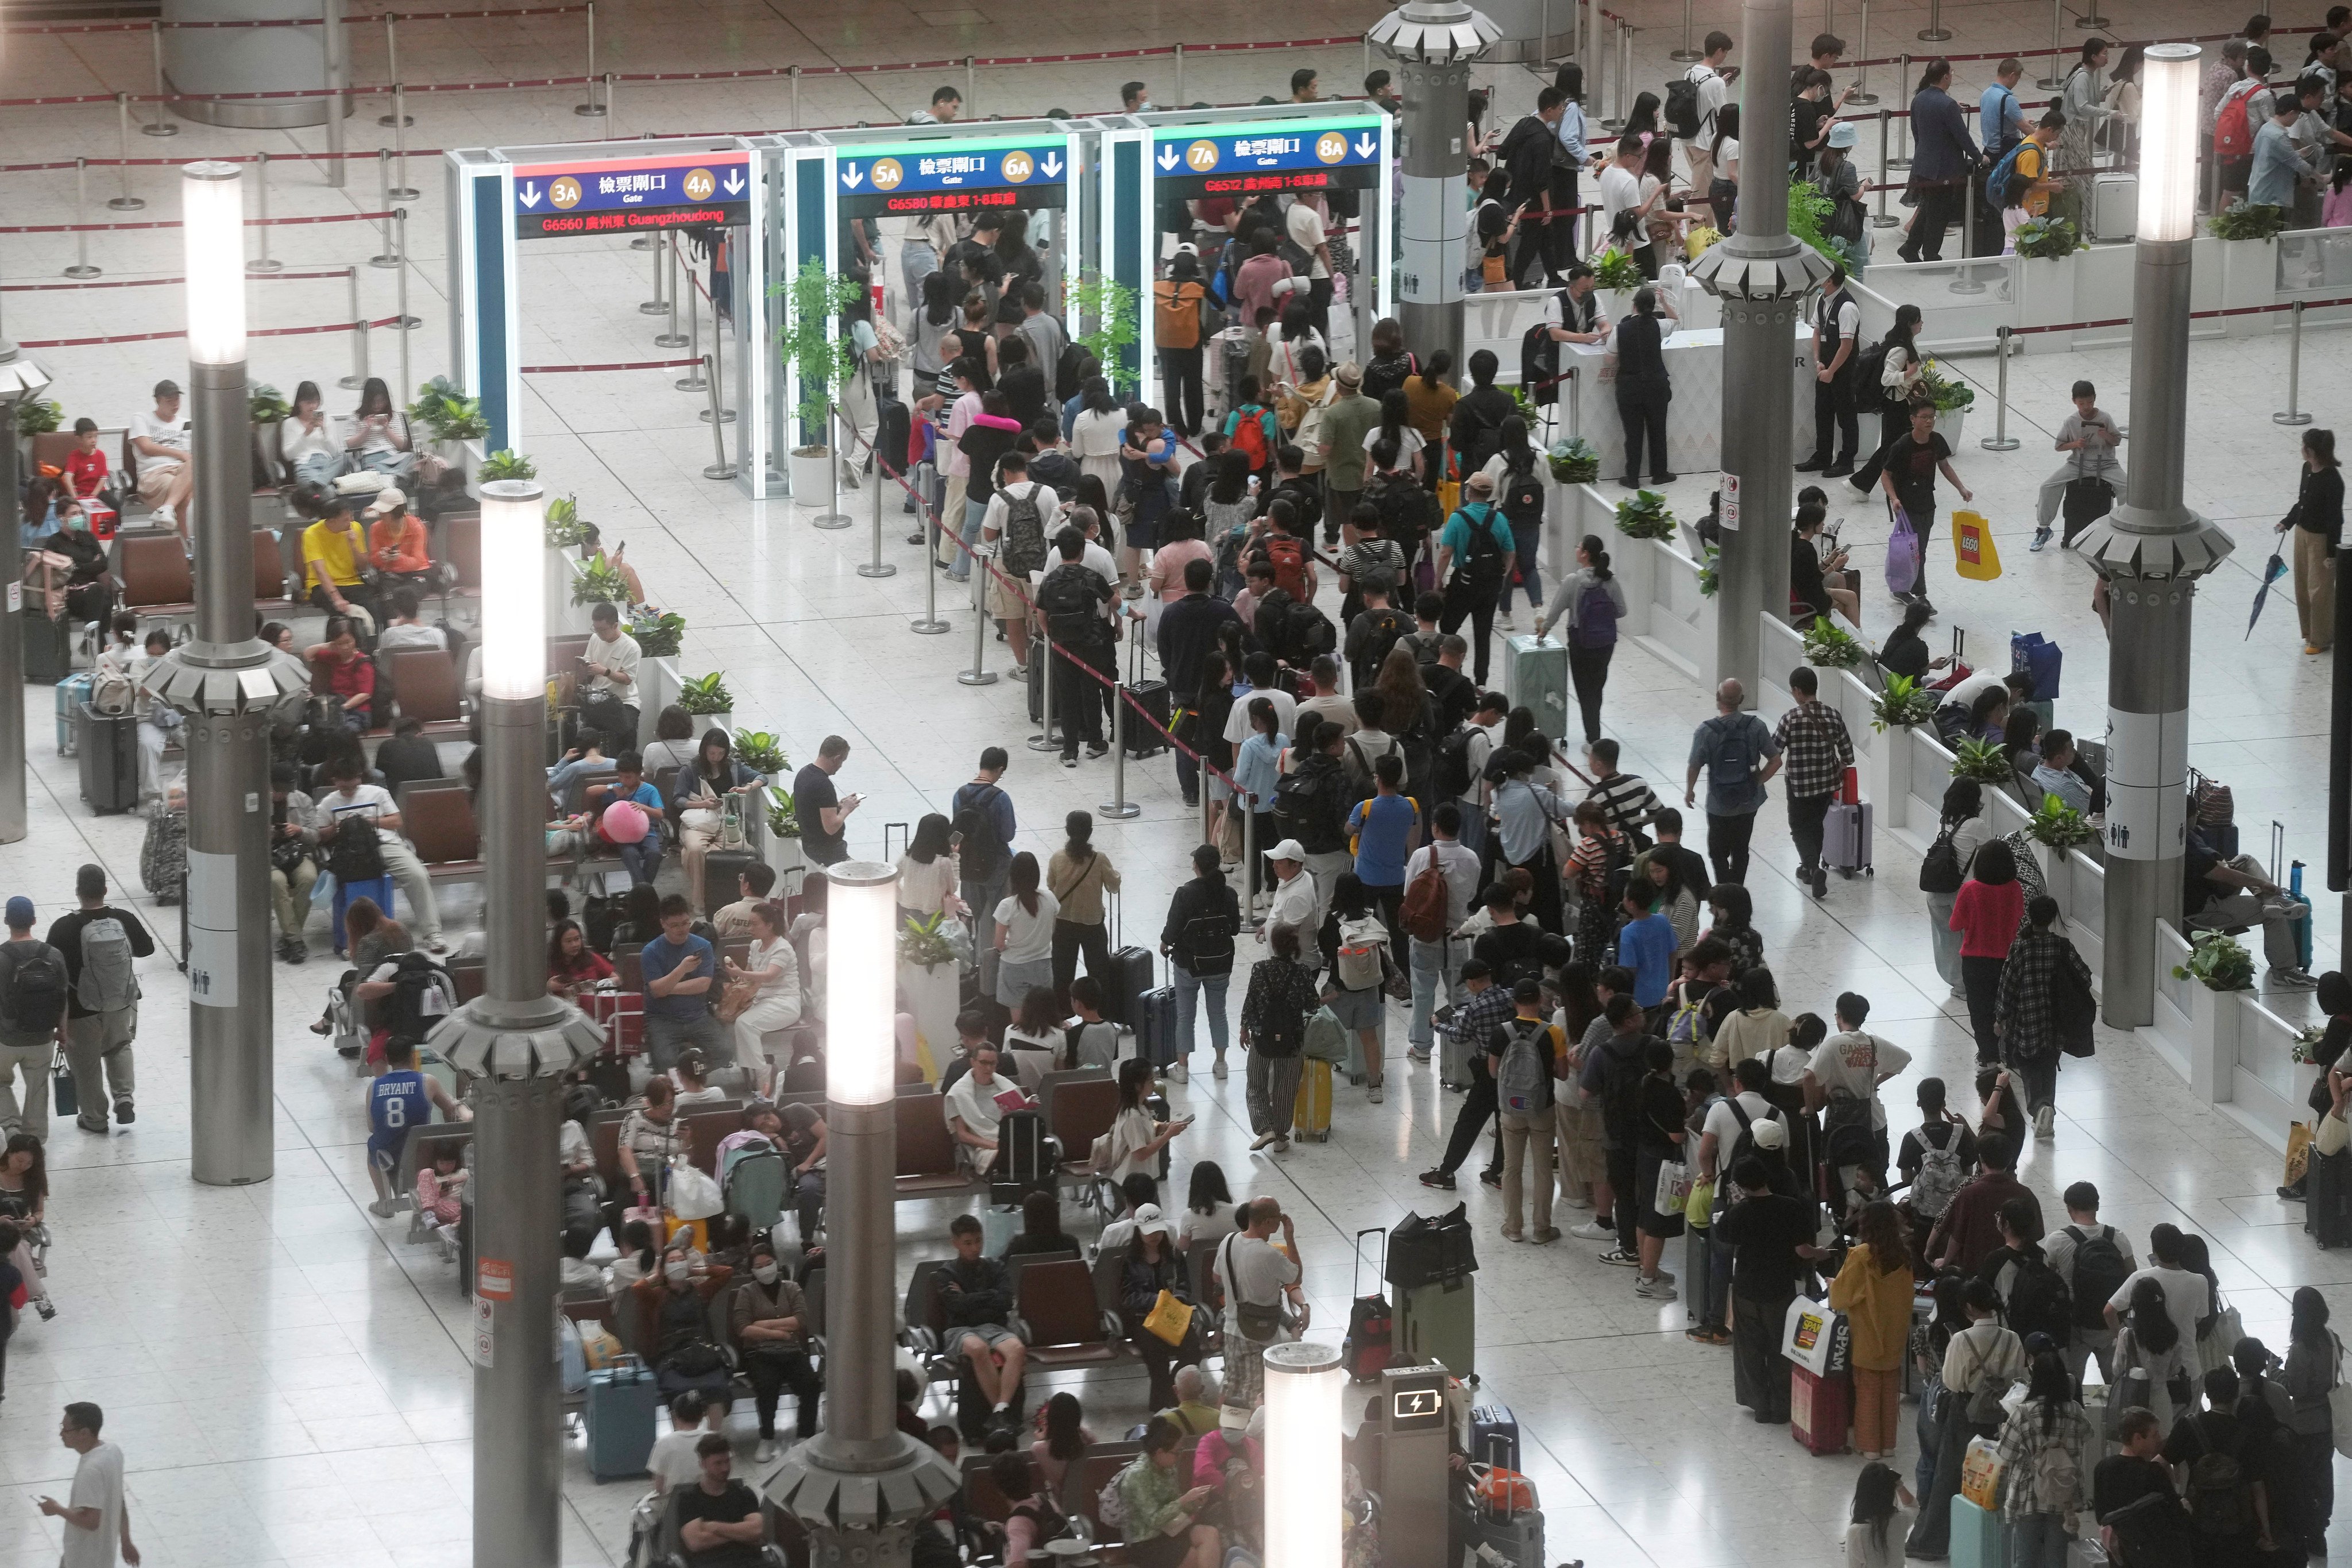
1169	1319
1972	542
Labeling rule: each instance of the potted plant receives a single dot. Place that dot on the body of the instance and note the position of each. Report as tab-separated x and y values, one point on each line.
822	358
761	752
598	582
1615	270
506	464
1575	461
2218	962
658	633
2060	826
1644	515
1709	560
2249	263
707	696
264	405
38	416
930	978
449	419
783	839
1983	761
1901	703
1952	399
1828	646
1107	306
564	529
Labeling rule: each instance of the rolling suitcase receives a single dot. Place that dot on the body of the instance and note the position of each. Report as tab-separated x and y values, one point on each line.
2327	1199
49	647
1147	731
108	745
619	1415
1370	1342
1155	1029
721	871
2115	207
1845	838
1129	981
1818	1344
1979	1538
1535	677
2293	882
1310	1114
1491	1424
1439	1323
72	692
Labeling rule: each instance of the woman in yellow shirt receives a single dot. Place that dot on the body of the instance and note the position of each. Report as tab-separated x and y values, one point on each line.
1873	1291
1429	408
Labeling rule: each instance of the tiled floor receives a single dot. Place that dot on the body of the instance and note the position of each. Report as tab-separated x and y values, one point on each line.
287	1377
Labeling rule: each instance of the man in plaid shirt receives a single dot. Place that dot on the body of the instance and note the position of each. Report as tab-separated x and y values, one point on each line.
1485	1008
1815	751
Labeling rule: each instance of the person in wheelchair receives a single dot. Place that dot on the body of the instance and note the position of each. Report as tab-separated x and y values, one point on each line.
718	1519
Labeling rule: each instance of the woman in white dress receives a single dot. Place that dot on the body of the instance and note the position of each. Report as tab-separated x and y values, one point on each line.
1098	433
775	971
929	872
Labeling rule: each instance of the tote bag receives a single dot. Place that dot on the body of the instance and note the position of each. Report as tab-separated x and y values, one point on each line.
1902	555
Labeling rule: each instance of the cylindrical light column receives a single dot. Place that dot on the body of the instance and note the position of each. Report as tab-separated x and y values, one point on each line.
1763	276
226	682
861	1485
21	378
517	1042
2151	550
1303	1384
1432	43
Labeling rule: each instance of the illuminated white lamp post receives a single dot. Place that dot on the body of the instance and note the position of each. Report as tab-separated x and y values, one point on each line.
1303	1384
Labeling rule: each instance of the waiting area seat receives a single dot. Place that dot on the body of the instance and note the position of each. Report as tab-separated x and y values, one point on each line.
424	686
437	817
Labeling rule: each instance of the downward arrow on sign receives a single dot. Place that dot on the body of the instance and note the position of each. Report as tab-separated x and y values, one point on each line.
1168	158
528	196
850	177
734	183
1366	146
1052	165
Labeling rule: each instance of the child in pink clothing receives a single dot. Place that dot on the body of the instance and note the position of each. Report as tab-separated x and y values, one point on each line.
439	1186
2336	205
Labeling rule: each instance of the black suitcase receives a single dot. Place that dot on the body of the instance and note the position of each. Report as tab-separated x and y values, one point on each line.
1129	981
721	871
895	424
48	649
2327	1199
109	748
1145	739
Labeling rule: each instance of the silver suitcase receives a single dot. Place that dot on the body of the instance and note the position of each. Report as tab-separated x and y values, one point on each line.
2115	207
1535	677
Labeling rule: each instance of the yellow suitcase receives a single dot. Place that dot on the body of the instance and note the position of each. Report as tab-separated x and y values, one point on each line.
1310	1118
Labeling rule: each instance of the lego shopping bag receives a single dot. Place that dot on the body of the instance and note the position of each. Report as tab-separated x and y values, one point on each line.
1972	542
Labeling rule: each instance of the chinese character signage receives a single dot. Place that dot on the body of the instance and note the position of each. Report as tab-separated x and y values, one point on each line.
1248	161
627	195
951	175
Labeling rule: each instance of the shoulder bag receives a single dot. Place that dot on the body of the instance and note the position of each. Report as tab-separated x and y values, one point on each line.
1254	1321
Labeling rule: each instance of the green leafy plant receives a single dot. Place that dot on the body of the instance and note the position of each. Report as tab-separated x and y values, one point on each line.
2248	221
1107	306
761	752
1809	211
447	414
1901	703
506	464
1613	268
782	821
38	416
2060	826
2049	239
1709	560
564	529
658	634
599	581
823	356
1524	405
1645	516
1983	761
2218	962
921	944
1574	462
1946	393
263	405
1828	646
2306	1044
703	694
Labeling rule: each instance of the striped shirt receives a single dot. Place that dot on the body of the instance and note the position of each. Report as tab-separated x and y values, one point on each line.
1626	797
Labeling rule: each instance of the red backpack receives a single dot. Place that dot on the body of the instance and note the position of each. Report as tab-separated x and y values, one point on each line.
1249	435
2232	137
1288	553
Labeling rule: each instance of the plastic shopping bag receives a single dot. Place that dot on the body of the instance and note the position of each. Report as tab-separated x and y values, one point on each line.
1901	555
1974	554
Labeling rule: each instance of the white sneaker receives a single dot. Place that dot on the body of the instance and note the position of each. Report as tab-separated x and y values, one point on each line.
2045	1122
380	1208
1658	1290
164	516
1593	1230
764	1452
1376	1097
1506	622
1219	1070
1179	1073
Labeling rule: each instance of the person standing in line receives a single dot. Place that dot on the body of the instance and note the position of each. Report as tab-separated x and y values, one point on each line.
981	818
1346	419
1474	557
2046	1490
1980	1362
1203	920
1908	474
2317	519
1873	1291
1523	1058
1986	912
1273	1029
2026	1017
1637	363
2315	1358
1770	1236
1713	80
2093	1259
1815	750
1573	159
1079	875
1484	1008
96	1513
1436	965
99	942
823	814
1942	159
1837	330
1590	601
1964	821
1740	756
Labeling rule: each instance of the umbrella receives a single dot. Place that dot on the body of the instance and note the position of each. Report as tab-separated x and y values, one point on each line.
2273	569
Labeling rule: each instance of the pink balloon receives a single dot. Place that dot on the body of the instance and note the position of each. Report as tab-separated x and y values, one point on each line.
624	822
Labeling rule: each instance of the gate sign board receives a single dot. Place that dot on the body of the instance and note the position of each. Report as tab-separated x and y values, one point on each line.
603	196
1245	161
951	174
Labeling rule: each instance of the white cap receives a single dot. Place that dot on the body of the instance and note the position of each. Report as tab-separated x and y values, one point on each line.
1289	849
1149	1217
1771	1134
387	499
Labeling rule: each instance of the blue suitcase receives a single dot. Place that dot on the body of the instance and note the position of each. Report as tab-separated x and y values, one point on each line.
1494	1435
72	692
1155	1026
622	1399
1979	1539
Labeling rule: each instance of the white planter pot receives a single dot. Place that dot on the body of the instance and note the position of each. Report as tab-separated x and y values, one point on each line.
785	855
2046	295
2213	1020
1886	778
558	580
2249	277
708	720
932	997
1948	425
812	477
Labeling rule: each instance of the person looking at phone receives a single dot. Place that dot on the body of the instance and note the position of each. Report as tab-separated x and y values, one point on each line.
1810	565
823	814
608	669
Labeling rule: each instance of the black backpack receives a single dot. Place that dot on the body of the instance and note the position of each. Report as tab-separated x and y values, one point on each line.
1941	870
1621	1091
1308	635
2217	1490
1383	628
1408	511
1271	620
2099	1273
1486	440
1681	112
37	990
356	855
1523	497
1306	807
1870	368
1069	372
1207	943
984	853
1453	775
1539	361
1483	559
421	995
2039	1302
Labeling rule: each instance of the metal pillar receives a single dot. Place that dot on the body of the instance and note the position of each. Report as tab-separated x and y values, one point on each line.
337	69
2151	550
1432	43
21	378
1763	277
861	1486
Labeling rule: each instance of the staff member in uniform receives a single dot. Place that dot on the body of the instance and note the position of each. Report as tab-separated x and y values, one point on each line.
1637	363
1837	323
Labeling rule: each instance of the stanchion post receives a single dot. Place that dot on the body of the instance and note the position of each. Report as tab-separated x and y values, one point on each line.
1624	67
338	75
1117	808
1045	740
81	266
715	414
403	323
1935	32
401	191
656	305
262	263
877	567
2057	77
1245	805
592	109
1611	58
978	674
1883	219
1179	78
1964	277
1902	160
125	202
970	86
931	626
388	256
1685	53
2000	440
159	125
2293	414
612	120
1863	96
398	118
359	376
719	469
833	517
672	339
692	380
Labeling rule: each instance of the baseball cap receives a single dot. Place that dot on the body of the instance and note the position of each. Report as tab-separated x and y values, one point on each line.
1771	1134
1148	1216
388	499
167	387
20	911
1289	849
1479	484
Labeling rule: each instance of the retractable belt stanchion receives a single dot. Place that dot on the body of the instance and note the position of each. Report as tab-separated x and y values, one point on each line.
126	202
1045	740
399	117
159	125
832	517
672	339
1883	219
657	306
715	414
692	380
2293	414
2000	440
81	266
2057	77
388	256
877	567
1117	808
402	191
592	109
1686	53
719	469
263	263
359	376
1902	160
403	323
1863	96
978	674
931	626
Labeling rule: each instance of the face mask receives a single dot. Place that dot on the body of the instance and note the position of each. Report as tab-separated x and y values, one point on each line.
77	522
675	1273
765	1273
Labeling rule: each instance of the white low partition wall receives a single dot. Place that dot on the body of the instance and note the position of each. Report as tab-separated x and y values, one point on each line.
1664	611
2235	1053
2174	1033
2266	1084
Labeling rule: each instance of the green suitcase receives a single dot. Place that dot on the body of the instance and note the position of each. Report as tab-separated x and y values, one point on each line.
1535	677
1439	1323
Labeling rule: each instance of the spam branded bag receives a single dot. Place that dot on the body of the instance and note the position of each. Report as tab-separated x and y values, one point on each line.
1981	1470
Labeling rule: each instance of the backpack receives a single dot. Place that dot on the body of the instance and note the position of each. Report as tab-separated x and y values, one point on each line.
112	693
1523	497
2004	188
2217	1490
421	995
1742	1146
1111	1504
1453	775
1940	1176
1306	807
1482	563
1847	1109
1249	435
37	991
2055	1477
1287	552
1361	961
1407	511
1939	870
357	854
1486	437
1539	362
1422	911
2232	136
1307	634
1687	1026
1271	620
1870	368
1731	758
1596	618
984	853
1681	111
1023	550
2040	1303
1620	1089
1068	370
107	983
1523	1079
1207	943
2099	1273
1382	628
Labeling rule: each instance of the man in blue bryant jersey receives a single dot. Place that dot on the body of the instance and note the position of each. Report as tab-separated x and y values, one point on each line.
400	1099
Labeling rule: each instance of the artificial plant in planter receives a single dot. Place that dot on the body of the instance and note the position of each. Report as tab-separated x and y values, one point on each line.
658	633
2247	221
707	696
1644	515
1575	461
1901	703
506	464
2060	826
822	358
783	837
761	752
1108	308
2049	239
1952	399
265	405
564	529
599	581
449	419
1710	561
2218	962
1983	761
1615	270
38	416
1828	646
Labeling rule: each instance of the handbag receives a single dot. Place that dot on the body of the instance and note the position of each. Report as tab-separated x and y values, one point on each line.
65	1102
1261	1324
1698	1208
1169	1320
735	999
1902	555
692	1195
1981	1472
1673	1187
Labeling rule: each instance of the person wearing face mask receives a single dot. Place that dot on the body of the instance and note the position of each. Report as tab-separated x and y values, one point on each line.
768	1320
77	583
673	1328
